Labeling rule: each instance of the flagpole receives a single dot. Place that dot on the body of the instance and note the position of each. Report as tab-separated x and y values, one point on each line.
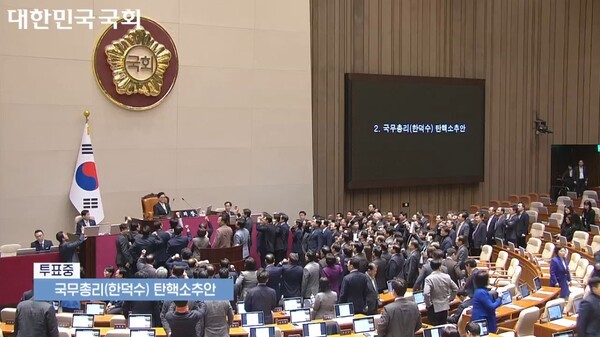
86	114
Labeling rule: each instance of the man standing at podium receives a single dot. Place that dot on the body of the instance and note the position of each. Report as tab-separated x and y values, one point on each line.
162	208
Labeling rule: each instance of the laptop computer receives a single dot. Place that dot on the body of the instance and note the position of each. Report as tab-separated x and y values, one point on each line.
292	303
577	244
87	333
419	299
263	331
483	328
115	229
240	307
589	250
366	326
344	310
255	318
433	332
142	333
136	321
524	289
547	236
499	242
538	283
595	229
506	298
95	308
25	251
314	329
299	316
568	333
562	240
554	312
84	321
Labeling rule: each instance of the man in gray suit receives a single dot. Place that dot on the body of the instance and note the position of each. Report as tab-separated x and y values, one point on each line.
310	277
35	319
439	291
400	318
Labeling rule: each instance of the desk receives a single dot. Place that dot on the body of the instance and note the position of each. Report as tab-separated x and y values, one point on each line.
8	330
20	278
528	270
547	329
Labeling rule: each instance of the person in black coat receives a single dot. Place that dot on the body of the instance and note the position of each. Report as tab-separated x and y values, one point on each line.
522	225
268	234
147	241
68	250
491	227
380	276
510	226
291	278
479	234
275	275
447	242
315	238
40	244
395	268
178	242
160	255
355	287
124	258
411	265
261	298
297	234
86	221
282	234
162	207
588	324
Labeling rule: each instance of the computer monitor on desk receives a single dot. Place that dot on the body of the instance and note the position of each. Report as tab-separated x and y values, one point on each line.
547	236
433	332
241	307
255	318
292	303
142	333
483	328
83	321
344	310
314	329
506	298
298	316
263	331
524	289
87	333
136	321
568	333
562	241
366	326
538	283
92	308
554	312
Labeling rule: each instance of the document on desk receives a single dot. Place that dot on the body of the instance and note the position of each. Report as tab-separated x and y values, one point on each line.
544	292
533	298
564	322
513	306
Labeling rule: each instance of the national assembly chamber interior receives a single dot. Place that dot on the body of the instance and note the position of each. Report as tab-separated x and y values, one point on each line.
299	168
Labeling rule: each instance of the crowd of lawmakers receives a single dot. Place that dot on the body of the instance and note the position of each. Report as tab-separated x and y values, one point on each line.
341	258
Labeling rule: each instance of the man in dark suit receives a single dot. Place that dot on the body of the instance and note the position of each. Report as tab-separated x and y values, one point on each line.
178	242
452	266
581	178
40	244
471	267
500	225
372	293
261	297
411	265
124	258
146	264
510	226
463	227
86	221
479	234
268	234
162	207
68	250
447	242
355	287
588	324
275	275
160	255
291	280
360	254
395	268
282	234
315	238
491	227
148	241
462	254
35	318
522	225
400	318
380	276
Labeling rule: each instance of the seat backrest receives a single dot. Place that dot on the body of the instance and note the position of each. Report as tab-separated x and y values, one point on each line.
590	194
533	216
494	203
581	237
575	257
595	243
118	320
534	245
548	251
516	276
557	216
486	253
502	260
9	249
597	211
535	205
537	230
575	294
592	201
513	198
506	204
562	200
148	202
527	319
588	273
581	268
8	314
525	199
534	196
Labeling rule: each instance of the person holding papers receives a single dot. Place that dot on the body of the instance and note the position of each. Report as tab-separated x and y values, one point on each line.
559	272
484	305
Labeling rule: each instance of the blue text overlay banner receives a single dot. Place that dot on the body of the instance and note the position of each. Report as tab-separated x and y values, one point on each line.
133	289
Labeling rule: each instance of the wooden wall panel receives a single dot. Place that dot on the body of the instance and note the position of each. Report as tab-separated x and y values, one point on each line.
538	57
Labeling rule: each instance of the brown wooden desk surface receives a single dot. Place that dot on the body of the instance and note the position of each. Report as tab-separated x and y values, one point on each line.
8	330
547	329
